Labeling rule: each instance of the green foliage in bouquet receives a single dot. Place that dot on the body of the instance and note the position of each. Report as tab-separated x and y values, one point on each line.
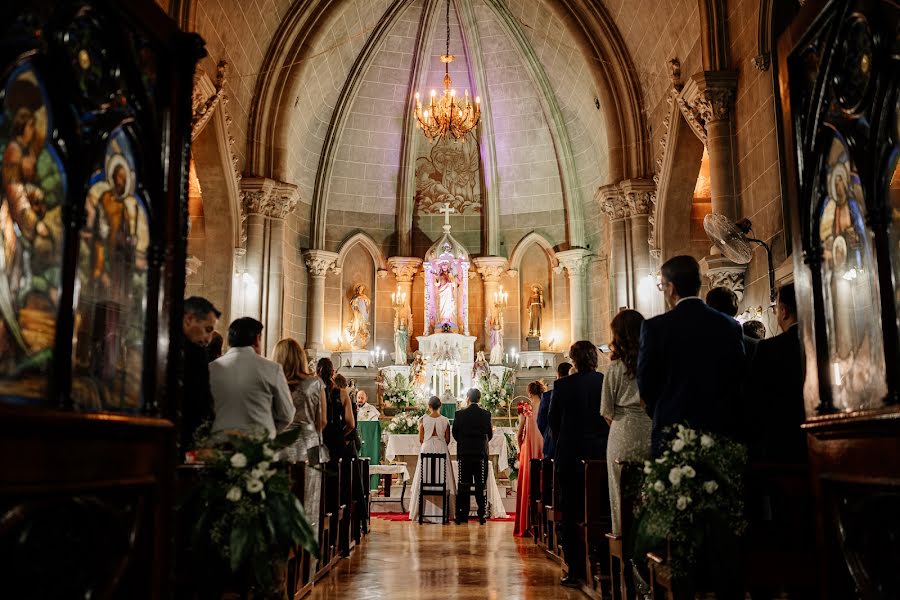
496	392
242	506
691	496
399	391
405	422
512	451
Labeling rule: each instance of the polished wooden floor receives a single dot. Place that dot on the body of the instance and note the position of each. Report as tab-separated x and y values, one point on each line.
403	560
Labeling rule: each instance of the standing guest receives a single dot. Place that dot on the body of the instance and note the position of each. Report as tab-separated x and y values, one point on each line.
198	325
689	360
308	396
340	413
214	349
725	301
472	431
364	410
530	446
754	329
580	434
776	388
543	415
250	392
620	405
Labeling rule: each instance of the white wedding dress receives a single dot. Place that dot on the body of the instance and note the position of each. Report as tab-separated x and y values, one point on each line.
435	434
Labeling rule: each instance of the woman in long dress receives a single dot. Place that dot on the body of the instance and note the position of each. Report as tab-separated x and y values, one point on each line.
308	395
620	405
434	435
531	445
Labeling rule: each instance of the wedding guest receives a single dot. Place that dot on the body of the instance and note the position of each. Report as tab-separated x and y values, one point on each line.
308	396
723	300
543	415
364	410
198	325
340	412
754	329
530	446
214	348
580	434
472	431
776	389
691	359
250	392
620	405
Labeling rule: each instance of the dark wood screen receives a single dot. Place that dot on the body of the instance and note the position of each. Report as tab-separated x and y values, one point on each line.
94	133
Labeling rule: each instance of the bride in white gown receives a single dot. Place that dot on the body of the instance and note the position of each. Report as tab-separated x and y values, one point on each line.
434	434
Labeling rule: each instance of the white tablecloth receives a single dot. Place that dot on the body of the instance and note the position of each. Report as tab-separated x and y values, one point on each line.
408	445
396	469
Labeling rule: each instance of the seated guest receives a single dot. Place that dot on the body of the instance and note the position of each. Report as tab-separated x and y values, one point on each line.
250	392
754	329
775	389
214	348
543	413
364	410
580	434
198	325
620	405
689	360
472	431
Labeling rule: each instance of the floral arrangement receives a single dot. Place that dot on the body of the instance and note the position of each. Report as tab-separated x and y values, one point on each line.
398	391
243	509
496	392
405	422
512	451
692	492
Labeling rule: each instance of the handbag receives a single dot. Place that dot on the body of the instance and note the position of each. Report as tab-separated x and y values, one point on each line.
319	454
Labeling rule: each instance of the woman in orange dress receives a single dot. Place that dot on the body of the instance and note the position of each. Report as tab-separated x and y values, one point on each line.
531	445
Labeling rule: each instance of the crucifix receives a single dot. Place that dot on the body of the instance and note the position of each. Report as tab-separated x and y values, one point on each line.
447	210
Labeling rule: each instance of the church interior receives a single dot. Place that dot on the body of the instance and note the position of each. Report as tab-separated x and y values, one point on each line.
434	197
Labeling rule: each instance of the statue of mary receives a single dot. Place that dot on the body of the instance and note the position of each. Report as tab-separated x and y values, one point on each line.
358	329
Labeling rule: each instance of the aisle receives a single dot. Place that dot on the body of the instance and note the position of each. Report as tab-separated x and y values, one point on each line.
407	561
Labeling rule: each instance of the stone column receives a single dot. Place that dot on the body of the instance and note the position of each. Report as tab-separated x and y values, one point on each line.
319	263
715	102
612	202
266	203
491	269
405	268
576	262
643	290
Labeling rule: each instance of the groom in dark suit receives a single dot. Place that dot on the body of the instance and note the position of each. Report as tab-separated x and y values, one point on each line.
691	359
472	431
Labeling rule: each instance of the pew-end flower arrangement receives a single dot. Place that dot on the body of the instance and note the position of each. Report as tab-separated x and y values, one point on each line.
243	509
691	496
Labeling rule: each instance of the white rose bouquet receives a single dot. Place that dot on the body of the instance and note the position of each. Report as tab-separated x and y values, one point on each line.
242	506
694	486
496	392
405	422
398	391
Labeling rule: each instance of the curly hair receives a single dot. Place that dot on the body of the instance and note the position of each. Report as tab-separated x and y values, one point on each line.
536	388
626	330
584	355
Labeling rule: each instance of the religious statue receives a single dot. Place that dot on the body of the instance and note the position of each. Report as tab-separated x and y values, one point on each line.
401	337
358	329
535	308
447	397
417	370
480	368
446	294
496	341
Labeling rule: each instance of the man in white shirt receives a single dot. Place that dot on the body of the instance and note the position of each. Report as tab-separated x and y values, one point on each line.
365	411
250	393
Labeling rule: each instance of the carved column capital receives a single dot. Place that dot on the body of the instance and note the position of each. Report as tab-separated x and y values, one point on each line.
491	268
267	197
575	261
612	202
640	195
761	61
320	262
717	93
404	267
724	273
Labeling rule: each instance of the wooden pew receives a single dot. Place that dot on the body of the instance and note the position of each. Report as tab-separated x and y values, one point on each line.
534	499
596	522
621	575
329	518
546	541
349	477
299	576
361	527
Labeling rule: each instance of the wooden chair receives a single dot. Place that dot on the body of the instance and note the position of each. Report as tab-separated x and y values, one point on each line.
595	524
622	580
534	499
433	482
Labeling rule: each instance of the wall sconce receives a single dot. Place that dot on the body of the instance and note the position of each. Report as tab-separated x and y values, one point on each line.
647	287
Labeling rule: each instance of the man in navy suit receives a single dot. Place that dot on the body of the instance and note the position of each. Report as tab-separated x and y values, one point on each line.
543	416
691	360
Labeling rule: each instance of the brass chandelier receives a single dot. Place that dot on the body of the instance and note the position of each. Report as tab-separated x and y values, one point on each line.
446	116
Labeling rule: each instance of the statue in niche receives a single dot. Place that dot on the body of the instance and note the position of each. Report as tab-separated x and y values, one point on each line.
496	341
358	329
417	370
480	368
401	338
446	294
535	308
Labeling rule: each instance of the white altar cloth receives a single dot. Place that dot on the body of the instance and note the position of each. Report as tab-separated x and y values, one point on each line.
408	445
396	469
